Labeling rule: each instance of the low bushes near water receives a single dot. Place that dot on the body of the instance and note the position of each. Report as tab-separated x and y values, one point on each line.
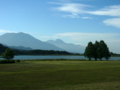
6	61
10	61
18	60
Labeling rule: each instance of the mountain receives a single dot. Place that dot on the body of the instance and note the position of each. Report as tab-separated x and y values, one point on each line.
67	46
20	48
26	40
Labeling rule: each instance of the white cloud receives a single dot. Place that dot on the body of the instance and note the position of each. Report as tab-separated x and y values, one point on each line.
111	39
45	38
75	16
72	0
109	11
86	17
73	8
71	16
76	9
50	37
81	8
113	22
6	31
65	0
86	37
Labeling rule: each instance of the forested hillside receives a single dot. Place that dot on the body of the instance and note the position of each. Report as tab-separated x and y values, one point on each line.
34	52
41	52
2	48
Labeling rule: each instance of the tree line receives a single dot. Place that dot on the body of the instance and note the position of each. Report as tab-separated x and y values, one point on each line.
40	52
2	48
98	50
8	53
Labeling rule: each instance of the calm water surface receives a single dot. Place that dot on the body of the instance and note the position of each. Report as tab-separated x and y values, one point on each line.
26	57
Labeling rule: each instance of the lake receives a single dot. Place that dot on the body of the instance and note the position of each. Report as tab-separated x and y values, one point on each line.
30	57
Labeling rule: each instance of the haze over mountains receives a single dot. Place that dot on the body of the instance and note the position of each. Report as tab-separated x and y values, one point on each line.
67	46
26	41
20	47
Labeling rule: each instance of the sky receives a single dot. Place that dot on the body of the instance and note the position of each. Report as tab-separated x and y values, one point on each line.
73	21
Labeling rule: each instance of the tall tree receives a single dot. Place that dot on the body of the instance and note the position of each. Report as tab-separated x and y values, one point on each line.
107	52
96	46
2	48
98	50
103	51
8	54
89	51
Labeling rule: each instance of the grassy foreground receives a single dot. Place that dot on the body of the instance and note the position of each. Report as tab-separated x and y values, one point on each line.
60	75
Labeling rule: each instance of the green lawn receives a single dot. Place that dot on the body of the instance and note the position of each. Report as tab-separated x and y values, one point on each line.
60	75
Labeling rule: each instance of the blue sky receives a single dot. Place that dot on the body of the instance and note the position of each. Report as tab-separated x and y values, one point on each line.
73	21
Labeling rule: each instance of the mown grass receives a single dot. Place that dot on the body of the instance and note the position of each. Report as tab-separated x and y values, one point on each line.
60	75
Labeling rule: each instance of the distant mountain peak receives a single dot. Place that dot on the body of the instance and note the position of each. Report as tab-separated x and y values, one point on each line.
26	40
51	40
67	46
59	41
22	33
18	33
56	41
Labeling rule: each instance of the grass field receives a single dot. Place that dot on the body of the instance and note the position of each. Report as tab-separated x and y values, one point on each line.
60	75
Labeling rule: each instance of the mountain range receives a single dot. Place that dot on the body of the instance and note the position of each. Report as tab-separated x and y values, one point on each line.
27	42
67	46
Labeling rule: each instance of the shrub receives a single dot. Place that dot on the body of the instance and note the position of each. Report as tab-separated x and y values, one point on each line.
17	60
6	61
8	54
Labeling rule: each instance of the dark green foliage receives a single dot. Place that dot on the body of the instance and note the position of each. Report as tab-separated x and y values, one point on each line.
8	54
17	60
98	50
114	54
2	48
6	61
103	51
35	52
96	46
89	51
41	52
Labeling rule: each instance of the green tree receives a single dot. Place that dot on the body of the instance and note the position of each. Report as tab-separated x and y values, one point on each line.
89	51
98	50
96	47
8	54
2	48
107	52
103	51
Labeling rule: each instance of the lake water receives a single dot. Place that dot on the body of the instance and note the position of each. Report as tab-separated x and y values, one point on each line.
26	57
